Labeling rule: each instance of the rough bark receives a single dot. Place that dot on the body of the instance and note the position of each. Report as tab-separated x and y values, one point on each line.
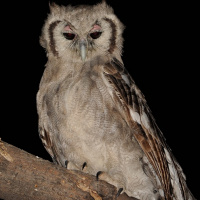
24	176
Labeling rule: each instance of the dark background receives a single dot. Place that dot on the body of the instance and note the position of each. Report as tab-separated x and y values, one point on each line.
159	52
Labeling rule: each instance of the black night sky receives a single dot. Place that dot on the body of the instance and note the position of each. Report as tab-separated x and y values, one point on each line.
159	53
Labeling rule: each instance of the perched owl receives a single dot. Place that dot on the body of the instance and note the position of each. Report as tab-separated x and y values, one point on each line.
92	116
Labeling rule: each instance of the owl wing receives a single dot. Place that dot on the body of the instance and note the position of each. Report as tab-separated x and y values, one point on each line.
145	130
46	137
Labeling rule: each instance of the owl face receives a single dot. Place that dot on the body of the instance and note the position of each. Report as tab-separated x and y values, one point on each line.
81	33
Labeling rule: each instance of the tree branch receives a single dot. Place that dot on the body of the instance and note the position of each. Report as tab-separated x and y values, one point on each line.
27	177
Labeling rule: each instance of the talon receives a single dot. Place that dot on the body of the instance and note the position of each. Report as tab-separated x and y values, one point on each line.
84	165
119	191
66	163
97	175
54	160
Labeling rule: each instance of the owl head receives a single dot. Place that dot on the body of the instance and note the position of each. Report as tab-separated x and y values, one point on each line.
81	33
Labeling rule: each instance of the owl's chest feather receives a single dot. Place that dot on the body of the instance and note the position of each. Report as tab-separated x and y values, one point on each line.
88	102
89	128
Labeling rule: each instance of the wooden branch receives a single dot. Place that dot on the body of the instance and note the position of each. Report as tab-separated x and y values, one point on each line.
24	176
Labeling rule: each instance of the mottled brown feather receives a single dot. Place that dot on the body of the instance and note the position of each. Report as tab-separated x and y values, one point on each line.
47	142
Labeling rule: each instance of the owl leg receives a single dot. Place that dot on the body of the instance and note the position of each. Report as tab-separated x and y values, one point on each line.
98	174
104	176
71	166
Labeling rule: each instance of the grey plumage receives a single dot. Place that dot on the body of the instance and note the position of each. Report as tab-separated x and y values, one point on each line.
92	114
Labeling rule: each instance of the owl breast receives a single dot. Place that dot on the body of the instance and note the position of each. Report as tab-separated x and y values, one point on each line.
86	126
94	132
93	124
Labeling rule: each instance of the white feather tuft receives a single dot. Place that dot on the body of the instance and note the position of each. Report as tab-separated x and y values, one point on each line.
135	116
125	78
145	120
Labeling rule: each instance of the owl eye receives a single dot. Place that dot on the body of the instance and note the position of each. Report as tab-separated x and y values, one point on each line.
69	36
95	34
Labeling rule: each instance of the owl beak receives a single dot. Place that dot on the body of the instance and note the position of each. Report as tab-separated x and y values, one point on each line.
83	49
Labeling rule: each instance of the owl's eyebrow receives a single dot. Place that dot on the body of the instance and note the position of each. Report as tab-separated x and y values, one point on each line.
113	35
51	38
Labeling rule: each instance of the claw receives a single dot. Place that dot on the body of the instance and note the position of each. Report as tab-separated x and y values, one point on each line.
97	175
119	191
54	160
84	165
66	163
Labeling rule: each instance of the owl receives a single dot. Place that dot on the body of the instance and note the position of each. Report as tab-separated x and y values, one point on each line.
92	116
